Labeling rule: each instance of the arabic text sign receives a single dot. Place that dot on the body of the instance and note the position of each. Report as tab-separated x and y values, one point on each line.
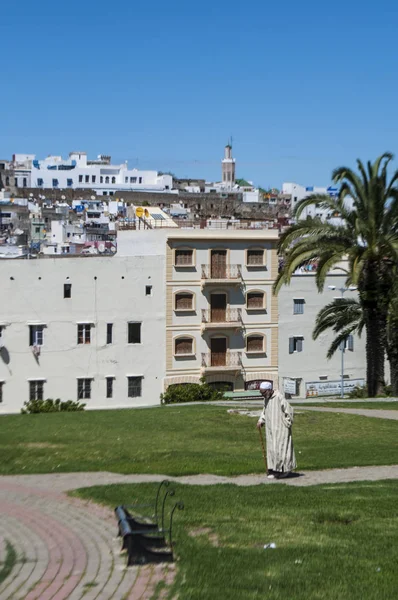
331	388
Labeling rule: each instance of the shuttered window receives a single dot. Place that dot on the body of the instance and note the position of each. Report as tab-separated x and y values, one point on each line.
36	390
255	258
255	343
295	344
184	301
183	258
298	306
255	300
184	346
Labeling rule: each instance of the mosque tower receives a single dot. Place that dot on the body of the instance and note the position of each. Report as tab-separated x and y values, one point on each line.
228	166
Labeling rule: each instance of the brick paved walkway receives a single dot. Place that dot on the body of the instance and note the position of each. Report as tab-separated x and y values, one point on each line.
64	549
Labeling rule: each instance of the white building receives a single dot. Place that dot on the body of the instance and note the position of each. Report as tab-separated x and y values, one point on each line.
303	359
299	192
77	171
91	328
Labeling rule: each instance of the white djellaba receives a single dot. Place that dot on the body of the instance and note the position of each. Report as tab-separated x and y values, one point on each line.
277	416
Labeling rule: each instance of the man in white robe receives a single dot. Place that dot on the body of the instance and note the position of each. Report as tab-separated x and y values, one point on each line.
277	416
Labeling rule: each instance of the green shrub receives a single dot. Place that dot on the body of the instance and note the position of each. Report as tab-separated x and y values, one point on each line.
190	392
359	392
49	406
362	392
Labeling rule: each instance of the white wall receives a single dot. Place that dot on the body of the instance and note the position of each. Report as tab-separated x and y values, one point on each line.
104	290
311	364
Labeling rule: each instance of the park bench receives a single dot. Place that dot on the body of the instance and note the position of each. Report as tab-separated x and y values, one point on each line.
144	540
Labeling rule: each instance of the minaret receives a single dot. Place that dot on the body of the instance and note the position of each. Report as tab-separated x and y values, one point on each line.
228	166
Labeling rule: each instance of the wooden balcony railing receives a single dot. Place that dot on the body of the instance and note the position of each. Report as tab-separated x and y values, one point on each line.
221	315
221	360
222	272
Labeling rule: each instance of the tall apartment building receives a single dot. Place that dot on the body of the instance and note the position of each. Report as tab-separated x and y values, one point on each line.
221	315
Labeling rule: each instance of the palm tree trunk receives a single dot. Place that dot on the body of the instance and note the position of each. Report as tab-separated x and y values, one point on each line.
374	300
392	351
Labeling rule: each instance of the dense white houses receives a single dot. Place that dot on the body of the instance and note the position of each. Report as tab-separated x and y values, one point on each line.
77	171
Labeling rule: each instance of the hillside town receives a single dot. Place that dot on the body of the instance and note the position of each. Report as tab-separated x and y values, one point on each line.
196	262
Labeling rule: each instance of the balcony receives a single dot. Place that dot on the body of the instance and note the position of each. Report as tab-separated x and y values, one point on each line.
221	318
221	274
221	361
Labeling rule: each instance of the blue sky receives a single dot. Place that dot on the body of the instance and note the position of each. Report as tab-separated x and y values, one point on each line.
302	87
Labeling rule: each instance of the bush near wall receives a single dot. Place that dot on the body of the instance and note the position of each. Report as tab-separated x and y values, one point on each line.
50	406
191	392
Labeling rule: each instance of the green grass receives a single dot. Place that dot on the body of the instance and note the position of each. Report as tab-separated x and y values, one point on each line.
332	542
9	562
347	404
184	440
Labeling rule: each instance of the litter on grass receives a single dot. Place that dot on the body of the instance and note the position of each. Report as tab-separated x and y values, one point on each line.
271	545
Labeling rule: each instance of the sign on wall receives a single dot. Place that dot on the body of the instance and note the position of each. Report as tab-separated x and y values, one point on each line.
289	386
314	389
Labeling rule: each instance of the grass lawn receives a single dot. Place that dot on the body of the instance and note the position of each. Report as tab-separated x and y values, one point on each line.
184	440
333	542
344	404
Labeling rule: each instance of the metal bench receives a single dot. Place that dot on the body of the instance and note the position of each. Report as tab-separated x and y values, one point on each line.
142	538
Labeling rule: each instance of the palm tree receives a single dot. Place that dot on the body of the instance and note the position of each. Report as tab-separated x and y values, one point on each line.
345	316
366	236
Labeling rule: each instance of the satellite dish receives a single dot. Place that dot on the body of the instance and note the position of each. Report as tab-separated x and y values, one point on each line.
92	197
101	247
139	211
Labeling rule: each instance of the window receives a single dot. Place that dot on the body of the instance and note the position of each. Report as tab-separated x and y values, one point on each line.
36	389
148	290
126	180
83	389
84	333
106	179
183	346
8	181
87	178
55	183
109	333
93	177
80	178
16	181
184	301
140	180
39	182
69	182
134	333
101	179
296	344
255	300
255	343
113	179
183	258
67	290
36	335
133	179
298	306
134	387
37	229
24	182
349	343
1	391
109	387
255	258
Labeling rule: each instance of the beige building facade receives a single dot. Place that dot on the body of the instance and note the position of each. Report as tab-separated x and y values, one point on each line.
221	314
